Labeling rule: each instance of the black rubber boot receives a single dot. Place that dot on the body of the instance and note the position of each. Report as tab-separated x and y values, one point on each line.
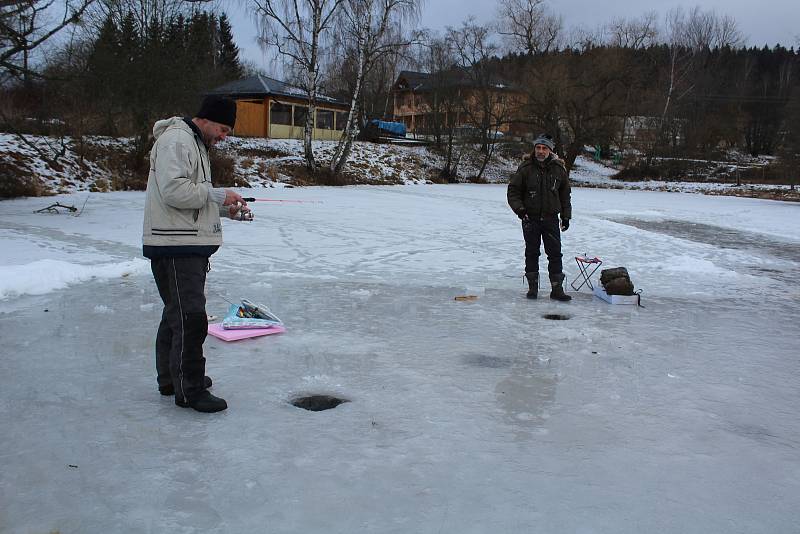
557	293
203	402
533	285
169	389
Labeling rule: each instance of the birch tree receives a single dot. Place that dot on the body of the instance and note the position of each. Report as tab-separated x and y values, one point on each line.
687	35
368	26
299	29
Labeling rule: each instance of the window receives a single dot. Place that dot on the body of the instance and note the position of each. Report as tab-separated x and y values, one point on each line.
341	120
300	114
281	114
325	119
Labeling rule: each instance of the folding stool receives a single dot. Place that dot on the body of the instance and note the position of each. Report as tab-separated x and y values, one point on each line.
586	268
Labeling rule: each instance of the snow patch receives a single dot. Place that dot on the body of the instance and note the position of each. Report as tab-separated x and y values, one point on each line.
44	276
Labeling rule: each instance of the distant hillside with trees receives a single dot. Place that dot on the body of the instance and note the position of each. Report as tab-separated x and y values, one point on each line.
650	95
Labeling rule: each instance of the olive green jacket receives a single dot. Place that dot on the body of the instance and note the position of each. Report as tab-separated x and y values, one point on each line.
540	189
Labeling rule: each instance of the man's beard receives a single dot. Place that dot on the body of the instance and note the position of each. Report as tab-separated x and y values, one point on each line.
209	140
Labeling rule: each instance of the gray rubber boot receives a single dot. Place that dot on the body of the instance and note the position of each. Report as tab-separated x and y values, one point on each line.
557	293
533	285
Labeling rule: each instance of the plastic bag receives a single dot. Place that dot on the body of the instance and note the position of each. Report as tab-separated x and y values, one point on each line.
249	315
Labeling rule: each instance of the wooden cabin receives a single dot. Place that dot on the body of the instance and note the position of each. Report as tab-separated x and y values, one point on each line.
413	92
266	107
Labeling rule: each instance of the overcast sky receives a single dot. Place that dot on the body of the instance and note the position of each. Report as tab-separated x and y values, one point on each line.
762	22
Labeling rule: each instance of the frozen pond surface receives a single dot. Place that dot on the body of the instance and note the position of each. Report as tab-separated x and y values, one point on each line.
478	416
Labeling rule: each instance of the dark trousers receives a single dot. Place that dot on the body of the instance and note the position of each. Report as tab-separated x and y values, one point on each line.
184	325
545	230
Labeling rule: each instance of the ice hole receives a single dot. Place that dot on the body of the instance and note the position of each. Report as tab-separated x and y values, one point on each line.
317	403
555	317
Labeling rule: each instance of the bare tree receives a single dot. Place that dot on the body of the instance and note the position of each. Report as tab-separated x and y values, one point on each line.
680	54
706	29
377	91
442	98
298	29
790	146
144	12
686	36
486	100
529	25
727	33
630	34
584	38
25	25
578	98
635	33
367	24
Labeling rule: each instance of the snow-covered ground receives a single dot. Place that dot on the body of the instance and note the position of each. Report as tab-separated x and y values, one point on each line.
594	174
260	162
368	162
464	417
270	162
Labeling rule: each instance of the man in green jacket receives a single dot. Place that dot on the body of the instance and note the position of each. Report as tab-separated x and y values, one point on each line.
538	192
181	231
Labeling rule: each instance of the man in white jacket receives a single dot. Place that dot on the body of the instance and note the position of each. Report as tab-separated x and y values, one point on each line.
182	229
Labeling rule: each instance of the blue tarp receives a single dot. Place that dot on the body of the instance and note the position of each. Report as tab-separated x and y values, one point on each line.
397	129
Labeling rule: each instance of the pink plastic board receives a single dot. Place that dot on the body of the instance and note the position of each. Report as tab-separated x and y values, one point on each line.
216	330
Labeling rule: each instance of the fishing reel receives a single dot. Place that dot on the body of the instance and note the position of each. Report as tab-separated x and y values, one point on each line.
242	212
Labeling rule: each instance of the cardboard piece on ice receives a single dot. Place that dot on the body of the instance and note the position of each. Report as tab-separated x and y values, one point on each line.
615	299
216	330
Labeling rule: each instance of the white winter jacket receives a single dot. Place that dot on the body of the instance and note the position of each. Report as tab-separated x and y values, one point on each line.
181	206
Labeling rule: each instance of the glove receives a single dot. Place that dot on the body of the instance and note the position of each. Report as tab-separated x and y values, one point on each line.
522	214
564	225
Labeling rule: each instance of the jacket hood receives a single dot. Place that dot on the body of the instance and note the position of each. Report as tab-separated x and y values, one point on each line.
175	122
530	159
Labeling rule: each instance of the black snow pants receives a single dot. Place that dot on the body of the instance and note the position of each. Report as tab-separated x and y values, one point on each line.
545	230
181	283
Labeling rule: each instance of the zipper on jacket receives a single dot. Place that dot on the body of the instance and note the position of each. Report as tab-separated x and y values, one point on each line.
196	214
542	178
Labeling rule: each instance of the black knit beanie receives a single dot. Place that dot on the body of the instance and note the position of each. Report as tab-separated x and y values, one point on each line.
218	109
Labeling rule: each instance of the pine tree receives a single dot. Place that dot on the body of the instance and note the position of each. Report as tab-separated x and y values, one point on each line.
200	50
103	58
228	64
100	83
128	60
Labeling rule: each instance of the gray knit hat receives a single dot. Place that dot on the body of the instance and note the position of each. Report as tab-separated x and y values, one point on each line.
546	140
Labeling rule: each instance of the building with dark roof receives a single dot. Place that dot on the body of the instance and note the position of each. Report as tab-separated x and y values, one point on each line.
266	107
413	93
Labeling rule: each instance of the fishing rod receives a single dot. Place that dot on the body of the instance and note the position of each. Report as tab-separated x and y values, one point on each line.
253	199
